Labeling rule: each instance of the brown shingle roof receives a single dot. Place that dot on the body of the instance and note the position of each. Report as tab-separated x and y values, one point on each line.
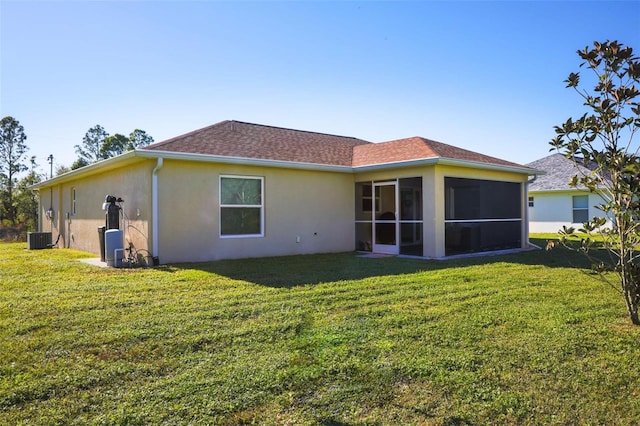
416	148
246	140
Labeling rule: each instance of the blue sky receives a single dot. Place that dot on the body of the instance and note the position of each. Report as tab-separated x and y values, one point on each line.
485	76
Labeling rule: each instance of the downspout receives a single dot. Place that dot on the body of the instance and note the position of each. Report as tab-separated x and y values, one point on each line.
154	208
60	219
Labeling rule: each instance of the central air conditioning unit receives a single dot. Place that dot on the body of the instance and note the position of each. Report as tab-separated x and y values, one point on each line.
38	240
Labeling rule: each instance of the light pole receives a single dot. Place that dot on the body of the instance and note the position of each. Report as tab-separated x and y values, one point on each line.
50	212
50	158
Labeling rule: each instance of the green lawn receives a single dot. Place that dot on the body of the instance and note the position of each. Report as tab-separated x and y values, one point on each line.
526	338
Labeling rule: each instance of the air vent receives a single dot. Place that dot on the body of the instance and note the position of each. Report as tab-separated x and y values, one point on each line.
38	240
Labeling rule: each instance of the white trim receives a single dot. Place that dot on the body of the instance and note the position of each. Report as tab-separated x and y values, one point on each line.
525	211
86	170
448	162
535	192
207	158
483	220
73	200
221	159
386	248
575	209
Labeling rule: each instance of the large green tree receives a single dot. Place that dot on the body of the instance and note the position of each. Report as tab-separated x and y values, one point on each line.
12	156
602	138
114	145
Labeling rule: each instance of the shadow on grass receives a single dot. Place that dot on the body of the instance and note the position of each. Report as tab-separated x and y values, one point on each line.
293	271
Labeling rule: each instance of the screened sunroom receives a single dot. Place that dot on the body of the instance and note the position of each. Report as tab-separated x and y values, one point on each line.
482	215
389	216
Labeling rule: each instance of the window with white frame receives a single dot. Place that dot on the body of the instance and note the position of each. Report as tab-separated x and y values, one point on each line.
530	201
241	206
73	201
580	208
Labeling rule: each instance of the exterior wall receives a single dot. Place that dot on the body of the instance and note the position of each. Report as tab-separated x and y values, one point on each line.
80	230
553	210
314	208
49	199
304	211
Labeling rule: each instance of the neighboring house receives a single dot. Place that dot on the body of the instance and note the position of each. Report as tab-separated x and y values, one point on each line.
238	190
553	203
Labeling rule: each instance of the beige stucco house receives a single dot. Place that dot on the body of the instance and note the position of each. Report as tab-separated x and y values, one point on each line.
239	190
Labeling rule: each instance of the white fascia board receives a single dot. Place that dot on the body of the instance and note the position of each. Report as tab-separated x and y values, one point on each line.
396	164
487	166
203	158
566	191
91	168
221	159
449	162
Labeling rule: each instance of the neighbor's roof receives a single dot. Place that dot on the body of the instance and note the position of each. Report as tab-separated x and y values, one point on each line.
559	170
245	140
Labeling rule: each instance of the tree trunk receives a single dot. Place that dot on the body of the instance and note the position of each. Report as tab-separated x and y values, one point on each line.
11	210
633	313
630	280
631	297
631	292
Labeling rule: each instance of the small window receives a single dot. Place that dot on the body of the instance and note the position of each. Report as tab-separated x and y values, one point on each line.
530	201
241	206
580	208
73	201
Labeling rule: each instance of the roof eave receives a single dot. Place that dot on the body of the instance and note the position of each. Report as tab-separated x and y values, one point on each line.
259	162
207	158
171	155
567	190
449	162
491	166
90	169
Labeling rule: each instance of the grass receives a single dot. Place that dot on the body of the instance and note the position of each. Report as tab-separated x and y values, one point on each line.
336	339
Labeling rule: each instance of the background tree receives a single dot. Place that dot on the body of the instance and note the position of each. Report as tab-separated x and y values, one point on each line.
98	145
139	138
26	199
90	150
62	169
12	151
79	162
114	145
603	137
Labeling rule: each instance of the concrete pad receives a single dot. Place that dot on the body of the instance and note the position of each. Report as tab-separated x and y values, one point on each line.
375	255
95	261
